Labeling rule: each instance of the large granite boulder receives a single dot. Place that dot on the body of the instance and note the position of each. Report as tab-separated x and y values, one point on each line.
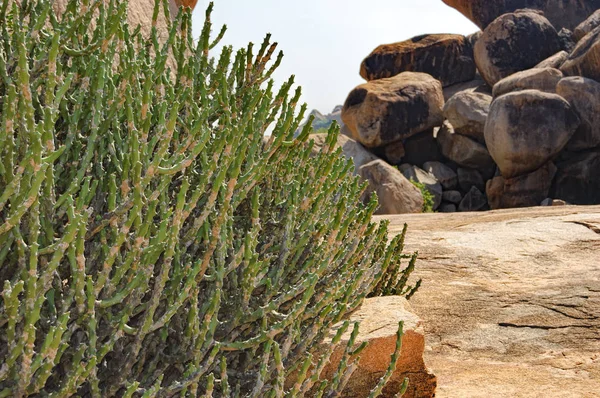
522	191
526	129
463	150
448	58
396	194
555	61
587	26
379	318
543	79
585	59
562	13
386	110
514	42
577	180
467	112
584	96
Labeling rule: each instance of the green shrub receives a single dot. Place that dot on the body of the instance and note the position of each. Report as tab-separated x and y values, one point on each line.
151	244
428	198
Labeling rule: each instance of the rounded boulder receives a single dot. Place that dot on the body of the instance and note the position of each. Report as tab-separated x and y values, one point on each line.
387	110
526	129
514	42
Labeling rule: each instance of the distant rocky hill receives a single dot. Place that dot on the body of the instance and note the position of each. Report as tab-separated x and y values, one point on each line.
324	121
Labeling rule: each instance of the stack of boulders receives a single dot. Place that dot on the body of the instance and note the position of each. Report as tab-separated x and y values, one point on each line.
506	117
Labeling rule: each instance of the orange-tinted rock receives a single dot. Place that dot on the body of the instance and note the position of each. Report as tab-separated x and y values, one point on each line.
448	58
562	13
379	317
585	59
387	110
513	43
186	3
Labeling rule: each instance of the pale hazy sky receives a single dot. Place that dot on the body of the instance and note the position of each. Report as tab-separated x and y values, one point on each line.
324	41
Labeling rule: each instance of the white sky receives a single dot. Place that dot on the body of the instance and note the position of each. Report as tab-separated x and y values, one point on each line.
324	41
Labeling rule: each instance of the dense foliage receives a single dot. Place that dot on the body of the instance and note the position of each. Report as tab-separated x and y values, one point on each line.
152	243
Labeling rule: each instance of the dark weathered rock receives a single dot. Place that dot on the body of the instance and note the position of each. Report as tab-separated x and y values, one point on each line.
567	40
444	174
577	180
395	193
462	150
468	178
584	96
452	197
555	61
467	112
391	153
562	13
474	200
446	57
587	26
514	42
428	180
585	59
526	129
543	79
387	110
421	148
523	191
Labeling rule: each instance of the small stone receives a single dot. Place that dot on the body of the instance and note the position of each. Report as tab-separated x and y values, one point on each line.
452	197
474	200
468	178
444	174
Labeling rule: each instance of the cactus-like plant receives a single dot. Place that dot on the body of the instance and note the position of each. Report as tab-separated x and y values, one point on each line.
152	242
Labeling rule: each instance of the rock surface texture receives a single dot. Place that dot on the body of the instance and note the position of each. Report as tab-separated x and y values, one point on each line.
386	110
511	303
514	42
379	317
448	58
562	13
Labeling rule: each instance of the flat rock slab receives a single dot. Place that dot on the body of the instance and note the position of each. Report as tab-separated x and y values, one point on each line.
510	300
